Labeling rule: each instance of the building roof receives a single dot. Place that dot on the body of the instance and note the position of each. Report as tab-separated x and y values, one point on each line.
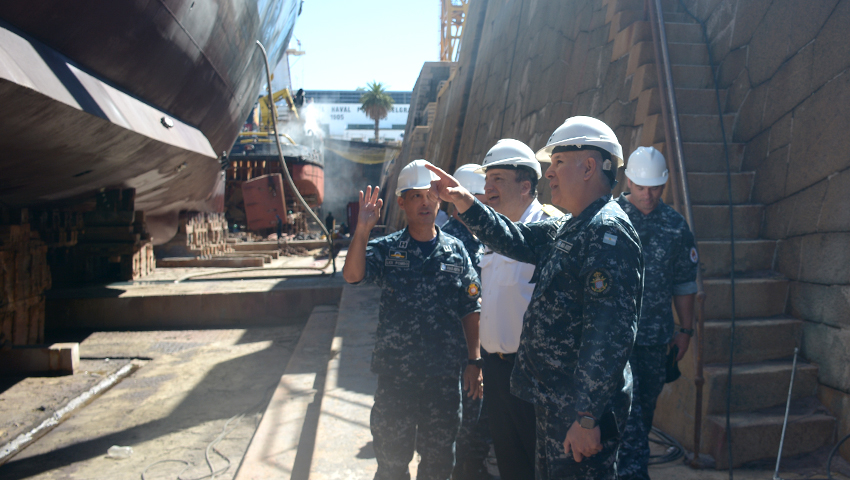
351	96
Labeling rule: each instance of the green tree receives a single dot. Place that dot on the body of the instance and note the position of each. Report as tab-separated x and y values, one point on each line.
375	103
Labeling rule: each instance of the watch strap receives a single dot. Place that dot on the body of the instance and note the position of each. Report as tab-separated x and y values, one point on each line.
586	422
478	362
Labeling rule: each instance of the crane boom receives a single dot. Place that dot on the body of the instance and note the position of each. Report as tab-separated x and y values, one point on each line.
453	13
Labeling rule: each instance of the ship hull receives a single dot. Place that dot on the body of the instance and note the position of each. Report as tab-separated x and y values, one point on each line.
142	95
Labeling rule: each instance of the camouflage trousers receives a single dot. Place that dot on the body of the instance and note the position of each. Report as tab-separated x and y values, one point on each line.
472	444
648	373
422	413
553	464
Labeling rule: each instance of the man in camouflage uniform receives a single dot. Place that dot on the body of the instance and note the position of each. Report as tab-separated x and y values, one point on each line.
474	182
472	446
579	327
428	321
671	269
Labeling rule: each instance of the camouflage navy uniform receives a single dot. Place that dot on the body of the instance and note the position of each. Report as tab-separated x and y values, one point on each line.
472	444
671	269
420	351
579	327
473	246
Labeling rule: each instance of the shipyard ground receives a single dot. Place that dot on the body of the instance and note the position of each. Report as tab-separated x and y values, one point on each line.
285	400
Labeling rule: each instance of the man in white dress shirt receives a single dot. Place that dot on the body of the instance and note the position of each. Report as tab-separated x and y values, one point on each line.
512	173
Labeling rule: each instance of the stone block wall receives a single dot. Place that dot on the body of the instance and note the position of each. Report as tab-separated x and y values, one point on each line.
787	67
416	133
526	66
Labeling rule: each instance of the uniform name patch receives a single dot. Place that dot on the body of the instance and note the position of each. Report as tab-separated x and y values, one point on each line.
390	262
398	254
694	255
473	289
599	282
609	238
564	246
451	268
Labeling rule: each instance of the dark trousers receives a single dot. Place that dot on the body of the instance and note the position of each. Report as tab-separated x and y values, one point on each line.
648	373
511	421
421	412
471	442
554	464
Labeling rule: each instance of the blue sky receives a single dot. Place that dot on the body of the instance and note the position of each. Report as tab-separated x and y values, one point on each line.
352	42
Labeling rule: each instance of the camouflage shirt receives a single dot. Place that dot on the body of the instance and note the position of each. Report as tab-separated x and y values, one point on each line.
423	299
580	325
473	246
671	268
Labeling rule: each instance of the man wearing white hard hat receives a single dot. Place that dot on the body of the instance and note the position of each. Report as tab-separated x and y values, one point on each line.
670	279
427	329
579	327
472	447
512	174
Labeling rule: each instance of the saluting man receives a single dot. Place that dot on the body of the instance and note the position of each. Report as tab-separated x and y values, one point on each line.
580	325
427	322
671	263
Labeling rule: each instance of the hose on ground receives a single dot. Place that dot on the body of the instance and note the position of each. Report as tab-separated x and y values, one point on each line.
674	450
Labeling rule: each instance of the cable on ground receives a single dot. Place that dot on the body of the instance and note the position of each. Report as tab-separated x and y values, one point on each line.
832	454
674	451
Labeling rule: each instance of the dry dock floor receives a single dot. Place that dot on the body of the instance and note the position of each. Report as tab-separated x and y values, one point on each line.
285	401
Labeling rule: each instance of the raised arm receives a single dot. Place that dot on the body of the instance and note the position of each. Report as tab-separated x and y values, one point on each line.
370	212
511	239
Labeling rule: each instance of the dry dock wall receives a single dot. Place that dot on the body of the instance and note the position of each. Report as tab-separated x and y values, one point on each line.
787	67
526	65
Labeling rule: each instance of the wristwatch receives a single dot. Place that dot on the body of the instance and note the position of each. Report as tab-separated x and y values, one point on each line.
478	362
687	331
586	422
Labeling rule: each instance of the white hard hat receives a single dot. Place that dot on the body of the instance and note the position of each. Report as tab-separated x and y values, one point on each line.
470	179
508	151
579	131
647	167
415	176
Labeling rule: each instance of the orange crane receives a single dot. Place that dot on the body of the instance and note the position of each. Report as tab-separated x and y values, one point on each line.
452	16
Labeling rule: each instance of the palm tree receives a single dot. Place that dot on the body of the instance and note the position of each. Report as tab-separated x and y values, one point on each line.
376	102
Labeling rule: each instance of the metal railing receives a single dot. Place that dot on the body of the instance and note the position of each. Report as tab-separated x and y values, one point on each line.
681	192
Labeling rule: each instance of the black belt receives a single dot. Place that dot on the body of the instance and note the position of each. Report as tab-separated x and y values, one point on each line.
508	357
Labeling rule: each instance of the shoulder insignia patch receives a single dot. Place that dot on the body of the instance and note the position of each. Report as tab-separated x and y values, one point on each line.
473	289
599	282
694	255
552	210
609	238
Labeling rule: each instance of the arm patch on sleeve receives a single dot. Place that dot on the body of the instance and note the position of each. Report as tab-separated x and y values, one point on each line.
694	255
599	282
473	289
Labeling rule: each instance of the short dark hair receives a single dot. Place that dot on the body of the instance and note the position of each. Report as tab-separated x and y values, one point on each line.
523	174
